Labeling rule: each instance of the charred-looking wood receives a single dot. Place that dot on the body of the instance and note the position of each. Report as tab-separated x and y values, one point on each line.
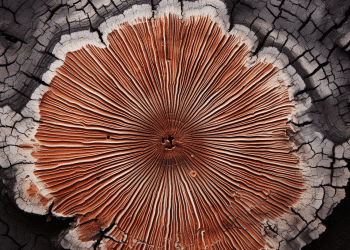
174	124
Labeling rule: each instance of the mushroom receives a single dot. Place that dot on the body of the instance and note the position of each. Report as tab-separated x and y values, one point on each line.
171	135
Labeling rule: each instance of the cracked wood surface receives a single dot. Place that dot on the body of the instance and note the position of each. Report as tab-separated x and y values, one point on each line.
314	35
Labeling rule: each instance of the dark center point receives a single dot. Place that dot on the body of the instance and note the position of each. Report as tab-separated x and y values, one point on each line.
168	142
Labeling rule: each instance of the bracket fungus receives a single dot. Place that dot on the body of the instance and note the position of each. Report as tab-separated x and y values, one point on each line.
171	133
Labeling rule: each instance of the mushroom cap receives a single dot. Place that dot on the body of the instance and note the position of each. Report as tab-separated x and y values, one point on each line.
169	137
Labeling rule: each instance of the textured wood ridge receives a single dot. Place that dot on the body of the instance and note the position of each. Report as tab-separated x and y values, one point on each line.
169	134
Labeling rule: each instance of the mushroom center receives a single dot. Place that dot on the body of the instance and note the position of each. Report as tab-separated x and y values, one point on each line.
168	142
